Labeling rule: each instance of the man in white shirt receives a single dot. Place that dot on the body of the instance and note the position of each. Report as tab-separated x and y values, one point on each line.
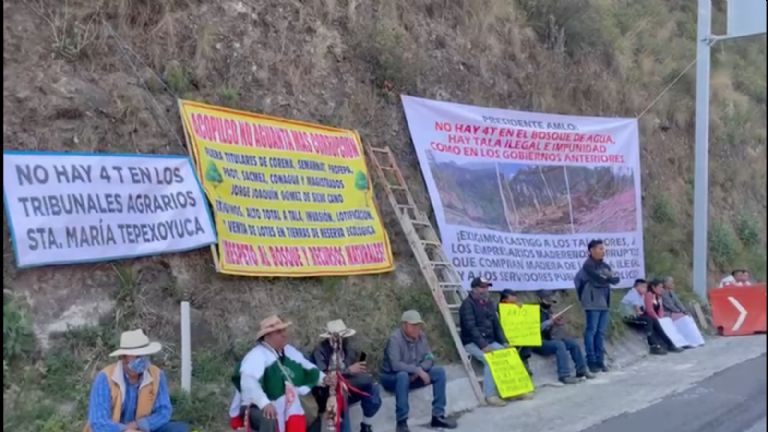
739	277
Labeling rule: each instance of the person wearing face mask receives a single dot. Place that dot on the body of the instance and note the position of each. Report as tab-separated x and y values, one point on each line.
131	395
555	341
481	332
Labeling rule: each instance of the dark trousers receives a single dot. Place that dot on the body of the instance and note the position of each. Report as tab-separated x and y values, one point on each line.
652	329
259	422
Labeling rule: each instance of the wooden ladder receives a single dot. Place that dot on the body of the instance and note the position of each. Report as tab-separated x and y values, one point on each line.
442	278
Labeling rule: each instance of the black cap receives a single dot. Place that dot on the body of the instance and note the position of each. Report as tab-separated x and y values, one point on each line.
508	292
546	295
478	281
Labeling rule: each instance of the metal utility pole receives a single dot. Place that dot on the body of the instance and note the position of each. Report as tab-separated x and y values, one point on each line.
745	18
701	163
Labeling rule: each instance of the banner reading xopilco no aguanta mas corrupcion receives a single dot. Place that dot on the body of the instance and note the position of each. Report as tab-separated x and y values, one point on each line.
289	198
518	195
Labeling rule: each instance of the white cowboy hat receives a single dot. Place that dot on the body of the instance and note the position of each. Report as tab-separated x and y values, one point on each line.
271	324
136	343
337	327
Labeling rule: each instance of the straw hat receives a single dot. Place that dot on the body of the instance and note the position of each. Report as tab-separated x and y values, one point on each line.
337	327
271	324
136	343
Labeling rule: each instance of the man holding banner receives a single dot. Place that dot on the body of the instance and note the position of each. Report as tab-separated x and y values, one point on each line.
481	333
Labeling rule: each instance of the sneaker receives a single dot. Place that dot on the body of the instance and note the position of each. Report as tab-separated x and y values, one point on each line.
586	374
366	427
524	396
442	422
675	349
569	380
658	350
495	401
595	369
402	426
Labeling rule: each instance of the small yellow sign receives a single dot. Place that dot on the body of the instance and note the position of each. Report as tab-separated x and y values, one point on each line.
521	324
509	373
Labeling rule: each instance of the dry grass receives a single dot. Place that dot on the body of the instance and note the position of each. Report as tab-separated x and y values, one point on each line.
344	63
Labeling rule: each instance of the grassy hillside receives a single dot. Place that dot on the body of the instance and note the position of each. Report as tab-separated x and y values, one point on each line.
103	76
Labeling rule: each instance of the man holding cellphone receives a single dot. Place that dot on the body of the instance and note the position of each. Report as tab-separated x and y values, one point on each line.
354	369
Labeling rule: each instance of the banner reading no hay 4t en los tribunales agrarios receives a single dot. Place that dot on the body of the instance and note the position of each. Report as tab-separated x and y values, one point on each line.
518	195
66	208
290	198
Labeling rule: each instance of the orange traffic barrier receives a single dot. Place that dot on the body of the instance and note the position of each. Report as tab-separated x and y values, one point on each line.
739	310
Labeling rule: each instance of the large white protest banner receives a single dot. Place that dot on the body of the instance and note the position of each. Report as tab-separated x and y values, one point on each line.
518	195
66	208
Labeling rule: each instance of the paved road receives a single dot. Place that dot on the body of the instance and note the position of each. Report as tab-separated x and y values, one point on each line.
733	400
719	387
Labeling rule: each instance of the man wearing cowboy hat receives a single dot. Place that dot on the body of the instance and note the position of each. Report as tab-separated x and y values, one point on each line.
354	371
132	394
273	377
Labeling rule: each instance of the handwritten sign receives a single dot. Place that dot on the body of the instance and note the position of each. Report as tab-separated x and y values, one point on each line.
521	324
509	373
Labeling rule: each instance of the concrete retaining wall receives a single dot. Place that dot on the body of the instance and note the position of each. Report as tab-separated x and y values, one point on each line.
630	349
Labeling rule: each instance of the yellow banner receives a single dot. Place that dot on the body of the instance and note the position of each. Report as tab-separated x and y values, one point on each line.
290	198
521	324
509	373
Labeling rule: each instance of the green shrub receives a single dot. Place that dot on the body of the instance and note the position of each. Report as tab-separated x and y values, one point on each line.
723	245
18	337
662	211
748	230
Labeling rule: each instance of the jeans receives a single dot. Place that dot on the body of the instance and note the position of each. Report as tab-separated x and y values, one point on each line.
489	387
400	384
369	404
561	348
173	426
594	333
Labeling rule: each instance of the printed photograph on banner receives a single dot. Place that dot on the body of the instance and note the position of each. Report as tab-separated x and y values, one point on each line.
603	199
469	192
518	195
290	198
536	198
67	208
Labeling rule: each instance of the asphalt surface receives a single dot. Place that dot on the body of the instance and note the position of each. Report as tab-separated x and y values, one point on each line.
732	400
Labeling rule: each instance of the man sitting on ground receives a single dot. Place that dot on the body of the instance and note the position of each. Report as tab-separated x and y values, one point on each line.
408	364
633	309
355	372
554	341
272	380
739	277
131	395
684	323
481	333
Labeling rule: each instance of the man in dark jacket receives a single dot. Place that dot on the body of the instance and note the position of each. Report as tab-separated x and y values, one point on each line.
481	332
354	370
554	341
593	285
